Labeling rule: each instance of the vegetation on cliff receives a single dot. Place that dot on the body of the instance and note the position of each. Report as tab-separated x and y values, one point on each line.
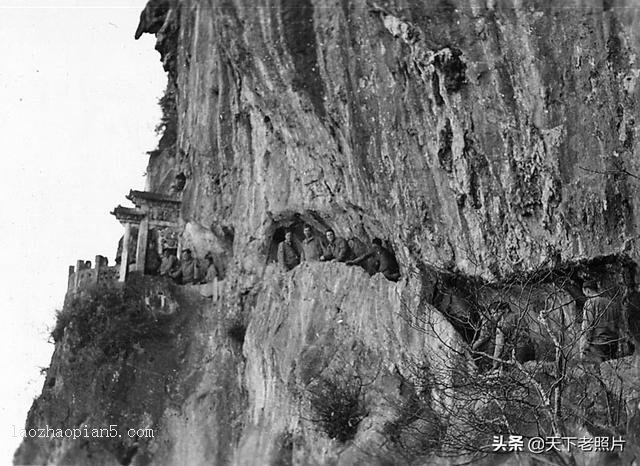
116	363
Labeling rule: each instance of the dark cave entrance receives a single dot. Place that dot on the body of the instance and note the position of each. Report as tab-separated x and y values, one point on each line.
294	222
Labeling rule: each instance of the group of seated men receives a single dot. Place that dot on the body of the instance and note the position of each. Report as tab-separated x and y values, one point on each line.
337	249
187	270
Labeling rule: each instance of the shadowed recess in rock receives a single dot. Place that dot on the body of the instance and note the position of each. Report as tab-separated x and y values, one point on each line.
299	35
295	222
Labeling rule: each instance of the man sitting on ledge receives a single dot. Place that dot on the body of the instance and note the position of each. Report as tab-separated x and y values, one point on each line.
288	254
386	262
336	249
188	272
169	263
311	245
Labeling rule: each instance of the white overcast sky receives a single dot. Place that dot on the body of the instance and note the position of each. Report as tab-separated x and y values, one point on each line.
78	107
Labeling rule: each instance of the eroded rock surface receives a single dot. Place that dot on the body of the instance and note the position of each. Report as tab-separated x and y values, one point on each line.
490	136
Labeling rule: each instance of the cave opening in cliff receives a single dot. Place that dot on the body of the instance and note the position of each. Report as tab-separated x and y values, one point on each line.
465	301
295	223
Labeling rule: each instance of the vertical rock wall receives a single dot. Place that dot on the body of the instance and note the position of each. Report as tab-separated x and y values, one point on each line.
490	138
487	136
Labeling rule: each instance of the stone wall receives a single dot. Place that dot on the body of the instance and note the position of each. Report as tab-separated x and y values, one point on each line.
81	278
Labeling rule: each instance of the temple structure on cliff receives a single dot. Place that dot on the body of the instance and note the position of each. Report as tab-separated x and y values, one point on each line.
156	219
150	227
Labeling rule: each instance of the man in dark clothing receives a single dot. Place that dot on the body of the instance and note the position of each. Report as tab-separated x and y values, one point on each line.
288	254
169	263
336	249
599	337
386	262
311	245
188	272
153	259
358	248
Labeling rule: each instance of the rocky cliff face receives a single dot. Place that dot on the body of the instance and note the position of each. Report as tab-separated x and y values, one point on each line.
484	140
488	136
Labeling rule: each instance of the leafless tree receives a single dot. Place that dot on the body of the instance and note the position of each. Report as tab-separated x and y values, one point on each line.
492	388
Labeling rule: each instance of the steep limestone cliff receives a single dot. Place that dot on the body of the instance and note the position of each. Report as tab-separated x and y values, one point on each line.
490	142
488	136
